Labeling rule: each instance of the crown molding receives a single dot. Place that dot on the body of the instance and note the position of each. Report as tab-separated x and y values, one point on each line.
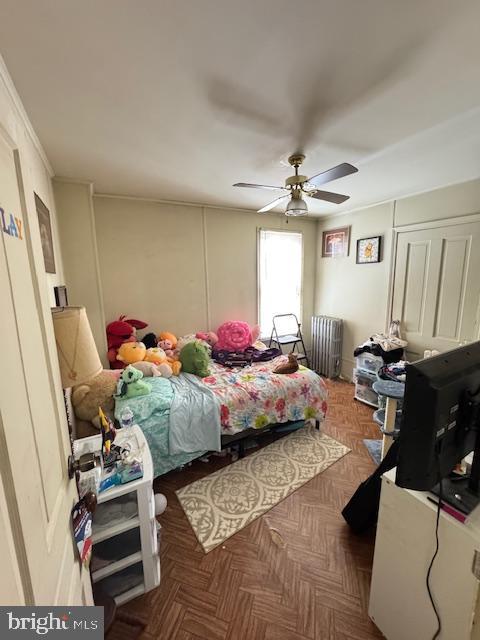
201	206
72	180
22	114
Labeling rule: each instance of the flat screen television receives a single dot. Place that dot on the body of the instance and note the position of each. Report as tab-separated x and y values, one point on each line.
440	426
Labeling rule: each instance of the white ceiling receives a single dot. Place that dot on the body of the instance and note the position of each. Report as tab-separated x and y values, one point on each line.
178	99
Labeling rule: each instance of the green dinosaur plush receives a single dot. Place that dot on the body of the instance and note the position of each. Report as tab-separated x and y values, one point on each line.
131	384
194	358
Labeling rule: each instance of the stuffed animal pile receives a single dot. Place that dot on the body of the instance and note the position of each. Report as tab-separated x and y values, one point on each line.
165	355
119	332
135	353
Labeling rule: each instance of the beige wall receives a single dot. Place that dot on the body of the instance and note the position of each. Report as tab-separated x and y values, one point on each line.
77	231
356	293
359	293
187	268
456	200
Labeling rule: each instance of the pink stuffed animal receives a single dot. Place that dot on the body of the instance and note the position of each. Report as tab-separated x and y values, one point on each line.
209	337
236	335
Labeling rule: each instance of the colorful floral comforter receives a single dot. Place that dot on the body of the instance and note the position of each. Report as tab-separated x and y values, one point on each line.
254	397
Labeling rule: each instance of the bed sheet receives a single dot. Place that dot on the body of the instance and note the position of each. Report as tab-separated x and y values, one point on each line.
152	414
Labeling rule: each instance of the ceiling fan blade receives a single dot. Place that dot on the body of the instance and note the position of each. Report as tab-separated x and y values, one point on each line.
257	186
340	171
329	196
273	204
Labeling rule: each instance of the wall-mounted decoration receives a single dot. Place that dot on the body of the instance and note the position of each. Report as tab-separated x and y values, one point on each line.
45	235
11	225
335	243
369	250
61	299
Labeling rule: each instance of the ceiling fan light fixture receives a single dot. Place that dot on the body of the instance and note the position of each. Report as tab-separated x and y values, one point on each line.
297	185
296	207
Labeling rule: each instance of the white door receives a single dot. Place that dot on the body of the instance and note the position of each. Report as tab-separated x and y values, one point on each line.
437	286
36	495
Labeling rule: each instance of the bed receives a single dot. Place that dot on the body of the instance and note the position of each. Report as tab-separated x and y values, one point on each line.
183	418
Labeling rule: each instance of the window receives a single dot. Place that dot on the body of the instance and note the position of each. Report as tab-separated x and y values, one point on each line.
280	277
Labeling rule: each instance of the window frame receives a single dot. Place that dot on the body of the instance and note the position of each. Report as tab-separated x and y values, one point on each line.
302	266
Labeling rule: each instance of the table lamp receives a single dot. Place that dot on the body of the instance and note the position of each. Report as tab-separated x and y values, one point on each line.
77	353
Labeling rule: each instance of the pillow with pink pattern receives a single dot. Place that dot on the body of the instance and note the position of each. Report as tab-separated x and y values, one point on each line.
236	335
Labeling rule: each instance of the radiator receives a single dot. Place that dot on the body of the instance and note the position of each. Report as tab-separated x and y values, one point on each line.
327	334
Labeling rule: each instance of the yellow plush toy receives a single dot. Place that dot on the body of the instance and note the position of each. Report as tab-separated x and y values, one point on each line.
135	352
155	355
131	352
175	365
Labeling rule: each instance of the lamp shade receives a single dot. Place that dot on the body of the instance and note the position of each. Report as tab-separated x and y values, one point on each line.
77	353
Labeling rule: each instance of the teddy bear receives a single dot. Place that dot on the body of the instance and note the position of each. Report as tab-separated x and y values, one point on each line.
131	384
89	396
130	352
120	331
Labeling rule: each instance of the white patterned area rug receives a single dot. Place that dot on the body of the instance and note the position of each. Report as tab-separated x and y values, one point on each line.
224	502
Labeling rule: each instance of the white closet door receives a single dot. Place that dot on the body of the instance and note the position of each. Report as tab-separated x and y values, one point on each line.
437	286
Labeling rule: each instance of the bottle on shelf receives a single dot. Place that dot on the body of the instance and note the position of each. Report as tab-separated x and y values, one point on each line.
126	418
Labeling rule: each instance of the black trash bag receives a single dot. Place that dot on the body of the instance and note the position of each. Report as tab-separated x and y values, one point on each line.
361	512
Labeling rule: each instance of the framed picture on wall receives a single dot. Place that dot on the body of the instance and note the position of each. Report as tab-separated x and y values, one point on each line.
45	235
369	250
335	243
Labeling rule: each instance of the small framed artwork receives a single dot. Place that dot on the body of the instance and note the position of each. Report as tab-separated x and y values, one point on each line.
45	235
61	299
369	250
335	243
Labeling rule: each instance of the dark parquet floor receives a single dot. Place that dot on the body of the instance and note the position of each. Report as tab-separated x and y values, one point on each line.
311	584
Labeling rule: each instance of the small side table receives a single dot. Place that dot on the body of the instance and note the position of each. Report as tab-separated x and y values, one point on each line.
388	419
125	561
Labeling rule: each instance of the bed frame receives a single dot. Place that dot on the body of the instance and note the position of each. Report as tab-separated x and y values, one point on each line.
239	438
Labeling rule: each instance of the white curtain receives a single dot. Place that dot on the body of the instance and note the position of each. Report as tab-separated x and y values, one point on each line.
280	278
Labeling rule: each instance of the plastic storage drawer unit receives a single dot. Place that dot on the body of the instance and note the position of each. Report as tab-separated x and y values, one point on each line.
369	362
363	387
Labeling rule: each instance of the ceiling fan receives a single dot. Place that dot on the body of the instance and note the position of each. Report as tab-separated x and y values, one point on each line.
298	186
